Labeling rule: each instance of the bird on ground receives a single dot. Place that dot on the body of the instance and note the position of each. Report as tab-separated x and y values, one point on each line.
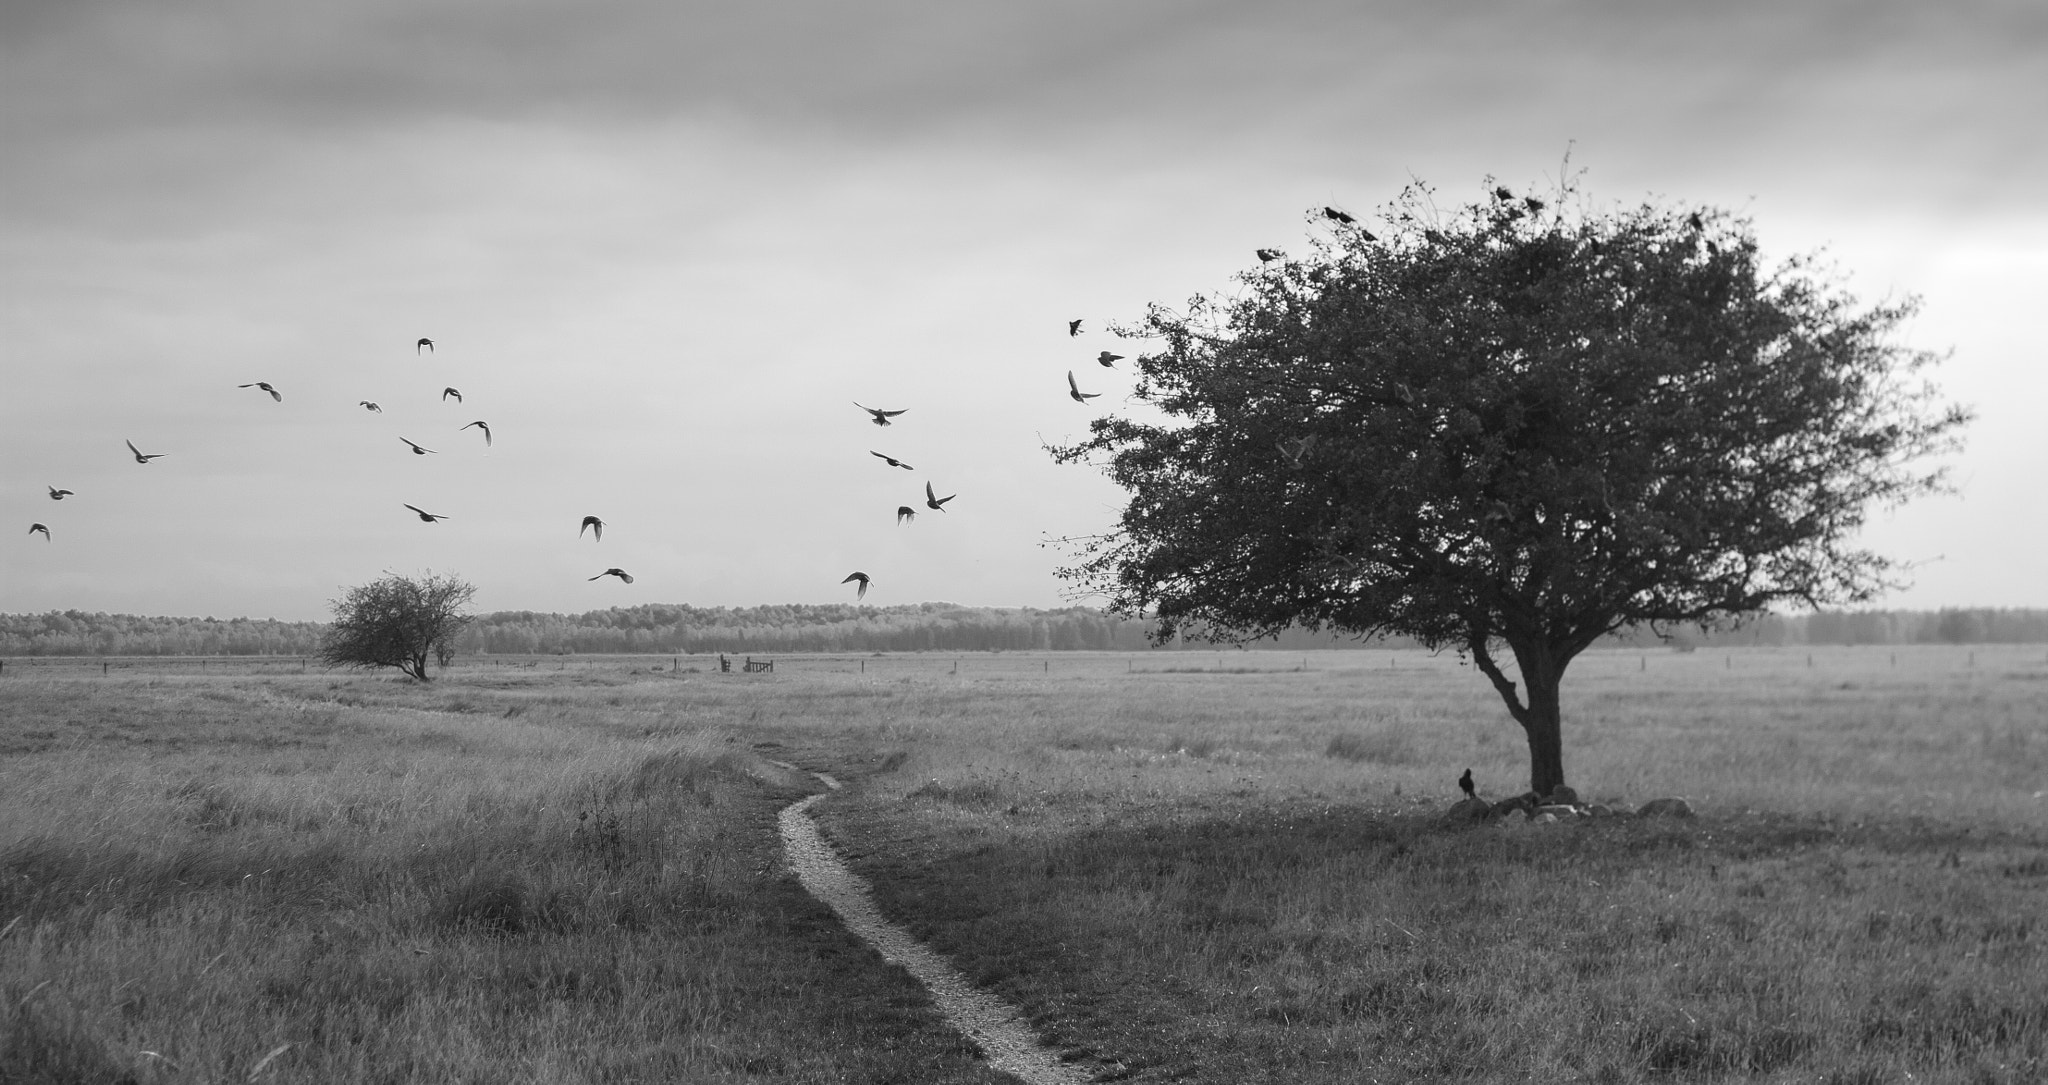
905	514
863	578
141	457
933	501
426	516
620	573
33	528
1337	216
482	425
591	523
446	392
881	417
1074	390
369	406
1267	256
892	461
59	495
265	385
426	343
416	449
1465	783
1073	328
1109	360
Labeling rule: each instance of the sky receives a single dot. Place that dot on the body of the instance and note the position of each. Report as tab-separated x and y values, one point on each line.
663	248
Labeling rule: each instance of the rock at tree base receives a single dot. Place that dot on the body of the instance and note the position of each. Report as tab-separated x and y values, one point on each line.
1468	810
1665	808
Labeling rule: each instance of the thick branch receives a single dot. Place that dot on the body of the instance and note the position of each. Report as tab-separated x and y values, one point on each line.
1477	646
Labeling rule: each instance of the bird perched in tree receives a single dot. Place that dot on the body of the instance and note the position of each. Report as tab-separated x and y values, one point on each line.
1465	784
423	344
1695	222
620	573
485	426
1109	360
881	417
905	514
446	392
1267	256
416	449
1338	217
591	523
33	528
1503	193
140	456
864	580
933	501
371	407
1073	328
428	517
265	385
892	461
1074	390
59	495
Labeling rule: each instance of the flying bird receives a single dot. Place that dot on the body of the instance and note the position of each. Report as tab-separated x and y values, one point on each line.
485	426
863	578
591	523
59	495
881	417
1465	782
416	450
446	392
1337	216
140	457
620	573
1267	256
1073	328
1075	390
892	461
423	343
265	385
933	501
369	406
33	528
1109	360
905	514
428	517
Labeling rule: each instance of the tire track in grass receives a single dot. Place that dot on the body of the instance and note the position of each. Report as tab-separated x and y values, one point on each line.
995	1026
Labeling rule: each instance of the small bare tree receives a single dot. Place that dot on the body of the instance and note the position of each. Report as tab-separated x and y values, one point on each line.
398	622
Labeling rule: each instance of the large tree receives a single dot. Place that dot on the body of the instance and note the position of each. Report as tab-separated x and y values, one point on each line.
1520	423
398	622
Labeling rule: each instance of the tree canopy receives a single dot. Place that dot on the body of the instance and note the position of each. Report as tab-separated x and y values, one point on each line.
1522	422
398	621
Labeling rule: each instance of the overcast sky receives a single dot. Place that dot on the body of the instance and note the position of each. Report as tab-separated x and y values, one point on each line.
662	247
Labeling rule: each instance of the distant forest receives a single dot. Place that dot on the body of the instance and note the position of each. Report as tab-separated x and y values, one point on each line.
674	629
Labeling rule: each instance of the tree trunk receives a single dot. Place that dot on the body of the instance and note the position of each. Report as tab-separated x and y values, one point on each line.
1542	723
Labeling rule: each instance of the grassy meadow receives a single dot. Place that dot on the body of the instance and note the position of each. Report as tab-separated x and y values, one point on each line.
1187	866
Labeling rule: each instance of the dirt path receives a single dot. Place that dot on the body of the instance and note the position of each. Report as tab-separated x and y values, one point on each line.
993	1025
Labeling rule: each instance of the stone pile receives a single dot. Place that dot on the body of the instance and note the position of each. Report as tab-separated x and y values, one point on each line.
1562	804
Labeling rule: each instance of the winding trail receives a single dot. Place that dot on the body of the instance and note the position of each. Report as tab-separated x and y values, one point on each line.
992	1024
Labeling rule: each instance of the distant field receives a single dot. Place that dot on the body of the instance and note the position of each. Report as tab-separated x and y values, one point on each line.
1192	865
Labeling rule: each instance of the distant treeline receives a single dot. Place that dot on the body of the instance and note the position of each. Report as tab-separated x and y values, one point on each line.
672	629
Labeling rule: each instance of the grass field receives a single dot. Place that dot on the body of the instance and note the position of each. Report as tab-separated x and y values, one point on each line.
1189	866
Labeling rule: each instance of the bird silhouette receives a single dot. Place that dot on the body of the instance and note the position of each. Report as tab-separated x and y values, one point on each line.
933	501
1465	783
427	343
892	461
1337	216
428	517
446	392
1109	360
140	457
1695	222
485	426
1073	328
905	514
369	406
1267	256
1075	390
863	578
1503	193
620	573
59	495
881	417
591	523
416	450
33	528
265	385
